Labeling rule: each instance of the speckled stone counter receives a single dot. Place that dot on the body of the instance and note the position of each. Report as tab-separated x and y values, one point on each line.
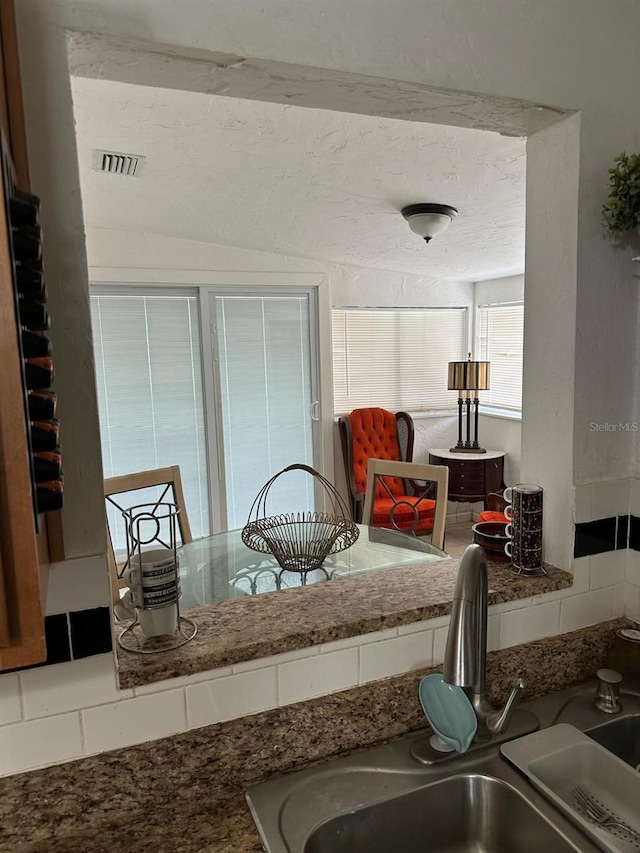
185	793
259	626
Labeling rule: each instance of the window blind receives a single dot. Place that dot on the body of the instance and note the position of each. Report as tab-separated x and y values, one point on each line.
500	329
148	371
395	358
263	349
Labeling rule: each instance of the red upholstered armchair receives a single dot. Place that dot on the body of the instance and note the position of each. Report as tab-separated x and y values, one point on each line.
379	434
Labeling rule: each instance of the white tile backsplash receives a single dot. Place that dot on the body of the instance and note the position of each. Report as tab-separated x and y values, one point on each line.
316	676
10	709
49	690
610	498
633	567
532	623
393	656
134	720
35	743
608	569
79	584
182	681
274	660
586	609
228	698
428	625
583	497
634	496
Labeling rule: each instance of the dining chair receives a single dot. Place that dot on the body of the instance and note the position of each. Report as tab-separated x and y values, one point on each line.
407	496
115	488
372	433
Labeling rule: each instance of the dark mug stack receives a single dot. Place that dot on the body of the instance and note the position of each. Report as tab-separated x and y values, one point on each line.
524	530
23	211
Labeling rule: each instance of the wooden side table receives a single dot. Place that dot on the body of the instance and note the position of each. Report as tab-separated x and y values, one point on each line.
471	475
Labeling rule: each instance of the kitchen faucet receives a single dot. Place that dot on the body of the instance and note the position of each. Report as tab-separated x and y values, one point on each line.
465	657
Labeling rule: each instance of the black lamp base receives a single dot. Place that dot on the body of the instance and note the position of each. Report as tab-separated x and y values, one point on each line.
464	449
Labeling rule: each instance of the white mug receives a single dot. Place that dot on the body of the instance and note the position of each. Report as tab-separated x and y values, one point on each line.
508	494
508	531
508	512
154	589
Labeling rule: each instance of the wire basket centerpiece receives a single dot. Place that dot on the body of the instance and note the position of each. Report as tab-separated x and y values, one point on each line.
301	541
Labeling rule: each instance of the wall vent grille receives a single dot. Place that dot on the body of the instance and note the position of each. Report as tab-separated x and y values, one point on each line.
117	163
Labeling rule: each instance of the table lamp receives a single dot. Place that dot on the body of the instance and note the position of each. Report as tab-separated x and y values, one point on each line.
467	378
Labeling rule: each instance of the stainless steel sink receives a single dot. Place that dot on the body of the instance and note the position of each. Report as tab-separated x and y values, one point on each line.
469	812
383	800
621	736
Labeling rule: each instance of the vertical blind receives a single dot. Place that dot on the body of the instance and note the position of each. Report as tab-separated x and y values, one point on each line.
263	352
148	371
500	330
395	358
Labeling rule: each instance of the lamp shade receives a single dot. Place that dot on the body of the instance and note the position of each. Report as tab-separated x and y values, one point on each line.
469	375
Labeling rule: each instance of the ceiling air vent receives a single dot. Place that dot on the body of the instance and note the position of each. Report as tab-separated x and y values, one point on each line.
116	163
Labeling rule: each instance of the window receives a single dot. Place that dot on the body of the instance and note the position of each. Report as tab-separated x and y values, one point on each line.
396	358
500	331
147	351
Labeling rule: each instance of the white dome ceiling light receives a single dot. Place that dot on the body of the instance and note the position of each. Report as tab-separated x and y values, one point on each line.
429	220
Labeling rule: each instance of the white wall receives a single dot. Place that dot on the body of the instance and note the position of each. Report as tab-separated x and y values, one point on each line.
507	289
540	52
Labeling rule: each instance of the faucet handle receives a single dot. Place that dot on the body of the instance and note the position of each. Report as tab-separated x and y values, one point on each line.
608	691
499	720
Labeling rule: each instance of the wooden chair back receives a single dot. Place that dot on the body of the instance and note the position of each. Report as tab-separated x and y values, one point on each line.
414	472
125	483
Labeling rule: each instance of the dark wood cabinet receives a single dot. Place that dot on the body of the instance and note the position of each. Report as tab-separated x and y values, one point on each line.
472	477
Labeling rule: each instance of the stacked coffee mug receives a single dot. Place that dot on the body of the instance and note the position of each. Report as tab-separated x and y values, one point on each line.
524	513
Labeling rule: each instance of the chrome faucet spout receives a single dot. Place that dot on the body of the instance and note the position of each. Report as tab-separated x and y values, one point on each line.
465	657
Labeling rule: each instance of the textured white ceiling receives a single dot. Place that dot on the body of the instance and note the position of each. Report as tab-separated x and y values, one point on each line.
306	182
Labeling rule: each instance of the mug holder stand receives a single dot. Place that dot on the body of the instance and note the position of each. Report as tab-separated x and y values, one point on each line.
132	639
162	516
538	572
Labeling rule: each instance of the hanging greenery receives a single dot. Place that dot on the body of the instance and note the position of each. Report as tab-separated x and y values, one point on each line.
622	211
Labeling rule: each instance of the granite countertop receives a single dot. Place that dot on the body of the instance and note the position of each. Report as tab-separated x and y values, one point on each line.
272	623
185	794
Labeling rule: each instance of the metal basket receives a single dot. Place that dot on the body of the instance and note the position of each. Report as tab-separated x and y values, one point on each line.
300	542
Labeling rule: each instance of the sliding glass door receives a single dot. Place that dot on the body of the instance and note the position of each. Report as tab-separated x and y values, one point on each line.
264	376
220	381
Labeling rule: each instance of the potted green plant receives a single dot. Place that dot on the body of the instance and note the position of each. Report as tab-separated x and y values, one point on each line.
621	213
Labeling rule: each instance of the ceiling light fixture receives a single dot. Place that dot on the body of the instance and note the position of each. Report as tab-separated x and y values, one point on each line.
428	220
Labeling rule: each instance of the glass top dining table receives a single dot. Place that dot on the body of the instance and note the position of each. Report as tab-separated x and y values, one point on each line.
220	567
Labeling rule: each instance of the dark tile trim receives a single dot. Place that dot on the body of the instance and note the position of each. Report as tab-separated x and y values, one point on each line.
90	632
56	631
606	534
634	532
71	636
622	533
595	537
